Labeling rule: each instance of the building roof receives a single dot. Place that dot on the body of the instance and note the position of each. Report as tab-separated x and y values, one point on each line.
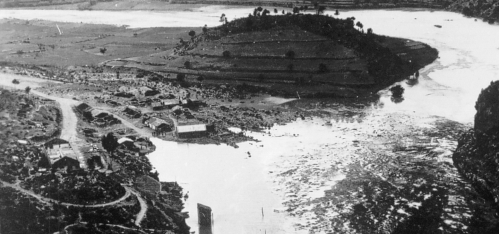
96	112
191	128
83	107
123	139
170	101
156	121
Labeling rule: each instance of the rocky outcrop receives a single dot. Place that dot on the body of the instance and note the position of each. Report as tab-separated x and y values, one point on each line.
477	154
487	107
488	10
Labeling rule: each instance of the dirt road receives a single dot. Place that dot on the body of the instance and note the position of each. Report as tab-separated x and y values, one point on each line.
49	200
69	119
143	208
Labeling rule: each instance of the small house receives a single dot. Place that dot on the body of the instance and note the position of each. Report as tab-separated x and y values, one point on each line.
83	108
158	125
67	164
132	112
191	131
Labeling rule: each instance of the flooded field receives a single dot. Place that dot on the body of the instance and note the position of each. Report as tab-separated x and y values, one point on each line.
379	166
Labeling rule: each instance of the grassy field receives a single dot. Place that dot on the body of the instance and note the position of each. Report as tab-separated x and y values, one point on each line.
40	43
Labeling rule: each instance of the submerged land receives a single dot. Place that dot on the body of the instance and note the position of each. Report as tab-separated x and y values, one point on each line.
76	141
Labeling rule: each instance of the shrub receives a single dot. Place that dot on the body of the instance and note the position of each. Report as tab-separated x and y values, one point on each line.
103	50
290	54
180	77
192	33
226	54
397	91
15	81
187	65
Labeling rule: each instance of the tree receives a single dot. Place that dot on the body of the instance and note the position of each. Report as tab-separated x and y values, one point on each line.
192	33
321	10
15	81
397	91
265	12
205	29
109	142
226	54
200	78
467	11
275	11
27	89
283	12
103	50
188	65
259	8
296	10
290	54
359	24
369	31
337	12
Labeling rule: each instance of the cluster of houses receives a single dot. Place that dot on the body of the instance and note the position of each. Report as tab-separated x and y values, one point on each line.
97	117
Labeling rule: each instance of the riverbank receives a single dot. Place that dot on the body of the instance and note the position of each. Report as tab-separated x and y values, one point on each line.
182	5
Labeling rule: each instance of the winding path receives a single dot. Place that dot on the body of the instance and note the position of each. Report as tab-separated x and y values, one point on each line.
68	132
128	192
143	208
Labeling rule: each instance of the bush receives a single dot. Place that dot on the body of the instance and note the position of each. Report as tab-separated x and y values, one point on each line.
192	33
15	81
226	54
180	77
103	50
290	54
397	91
187	65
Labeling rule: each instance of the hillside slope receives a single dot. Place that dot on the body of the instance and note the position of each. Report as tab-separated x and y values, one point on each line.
488	10
476	156
307	53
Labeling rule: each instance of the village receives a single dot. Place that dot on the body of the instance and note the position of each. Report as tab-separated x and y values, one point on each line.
99	159
103	167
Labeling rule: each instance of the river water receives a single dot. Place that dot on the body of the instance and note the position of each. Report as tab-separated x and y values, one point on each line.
278	184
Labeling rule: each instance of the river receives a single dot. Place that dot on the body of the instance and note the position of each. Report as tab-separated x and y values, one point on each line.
278	185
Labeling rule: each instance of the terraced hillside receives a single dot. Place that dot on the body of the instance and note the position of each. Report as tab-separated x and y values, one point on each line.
313	54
